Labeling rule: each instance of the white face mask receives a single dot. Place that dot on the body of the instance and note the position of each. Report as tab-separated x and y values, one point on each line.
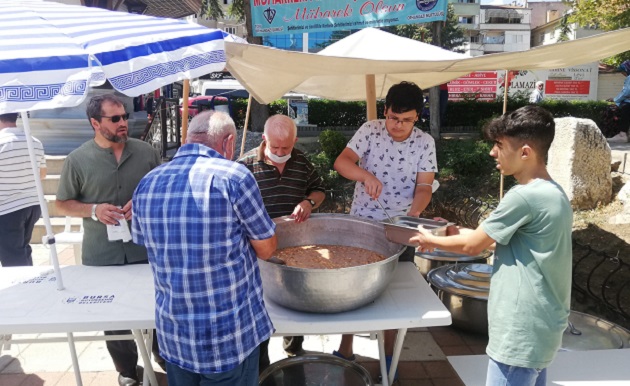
275	158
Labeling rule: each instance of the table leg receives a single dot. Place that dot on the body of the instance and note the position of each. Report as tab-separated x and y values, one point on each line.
75	360
381	354
400	338
148	343
148	368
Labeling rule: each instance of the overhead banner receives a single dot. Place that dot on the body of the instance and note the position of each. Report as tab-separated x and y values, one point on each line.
298	16
568	83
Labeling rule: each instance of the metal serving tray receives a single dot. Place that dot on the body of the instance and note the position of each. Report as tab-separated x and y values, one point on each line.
404	228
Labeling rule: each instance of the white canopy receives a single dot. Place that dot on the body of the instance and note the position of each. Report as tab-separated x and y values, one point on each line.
339	72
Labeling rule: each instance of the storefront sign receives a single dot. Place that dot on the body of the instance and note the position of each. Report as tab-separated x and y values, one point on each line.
297	16
574	83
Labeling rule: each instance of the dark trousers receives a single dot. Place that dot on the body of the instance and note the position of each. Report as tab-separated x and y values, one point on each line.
124	353
291	344
245	374
624	119
16	229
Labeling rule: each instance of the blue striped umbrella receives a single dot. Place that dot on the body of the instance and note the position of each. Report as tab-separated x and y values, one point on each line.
48	50
50	53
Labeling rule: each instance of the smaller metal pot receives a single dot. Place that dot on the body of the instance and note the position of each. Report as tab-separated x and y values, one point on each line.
588	332
464	288
315	369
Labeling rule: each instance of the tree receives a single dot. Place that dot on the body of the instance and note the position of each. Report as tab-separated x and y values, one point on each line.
564	29
608	15
212	9
451	36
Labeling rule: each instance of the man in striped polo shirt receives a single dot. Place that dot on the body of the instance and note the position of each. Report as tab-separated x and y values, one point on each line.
19	204
289	185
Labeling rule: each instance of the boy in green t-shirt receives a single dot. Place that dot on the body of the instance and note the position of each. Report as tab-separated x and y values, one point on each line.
530	290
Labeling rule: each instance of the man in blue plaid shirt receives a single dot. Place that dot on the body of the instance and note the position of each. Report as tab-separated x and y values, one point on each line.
203	222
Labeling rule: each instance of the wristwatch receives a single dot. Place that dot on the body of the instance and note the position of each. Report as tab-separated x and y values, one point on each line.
94	212
312	202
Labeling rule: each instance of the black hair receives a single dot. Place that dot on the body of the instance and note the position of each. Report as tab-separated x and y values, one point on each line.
403	97
532	125
9	117
95	105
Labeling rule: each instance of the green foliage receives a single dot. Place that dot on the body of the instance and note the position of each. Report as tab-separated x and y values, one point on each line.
564	29
608	15
326	113
465	166
471	113
212	9
332	143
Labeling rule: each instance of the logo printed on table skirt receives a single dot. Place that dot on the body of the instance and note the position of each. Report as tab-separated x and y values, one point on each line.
89	299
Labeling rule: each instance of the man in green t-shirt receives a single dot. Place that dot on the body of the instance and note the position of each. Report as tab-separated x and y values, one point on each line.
530	290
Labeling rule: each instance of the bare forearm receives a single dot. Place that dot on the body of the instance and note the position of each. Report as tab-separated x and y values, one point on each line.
470	243
421	198
318	197
74	208
265	248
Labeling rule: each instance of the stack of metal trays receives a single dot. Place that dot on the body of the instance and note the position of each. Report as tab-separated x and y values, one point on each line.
403	228
426	261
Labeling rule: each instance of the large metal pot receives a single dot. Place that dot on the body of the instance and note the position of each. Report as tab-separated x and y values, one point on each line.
426	261
463	288
315	369
330	290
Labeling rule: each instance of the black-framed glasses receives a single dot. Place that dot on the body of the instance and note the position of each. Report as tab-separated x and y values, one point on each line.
116	118
403	122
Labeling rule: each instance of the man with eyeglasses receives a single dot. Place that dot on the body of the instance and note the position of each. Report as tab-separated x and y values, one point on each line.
97	183
396	166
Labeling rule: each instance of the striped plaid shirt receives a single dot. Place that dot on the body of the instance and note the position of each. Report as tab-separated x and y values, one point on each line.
17	182
282	192
196	215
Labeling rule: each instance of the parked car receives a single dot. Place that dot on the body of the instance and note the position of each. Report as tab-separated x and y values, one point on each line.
206	102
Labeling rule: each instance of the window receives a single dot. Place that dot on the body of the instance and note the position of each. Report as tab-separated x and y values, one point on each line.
230	30
466	19
225	2
474	39
467	1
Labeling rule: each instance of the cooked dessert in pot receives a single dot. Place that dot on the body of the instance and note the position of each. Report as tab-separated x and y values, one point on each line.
327	256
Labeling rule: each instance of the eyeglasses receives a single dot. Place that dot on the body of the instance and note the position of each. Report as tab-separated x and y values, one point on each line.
116	118
404	122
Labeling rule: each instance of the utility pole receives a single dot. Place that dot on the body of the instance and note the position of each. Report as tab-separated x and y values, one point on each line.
434	92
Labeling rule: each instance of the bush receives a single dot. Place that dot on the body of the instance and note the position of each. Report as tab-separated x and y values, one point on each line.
467	163
332	144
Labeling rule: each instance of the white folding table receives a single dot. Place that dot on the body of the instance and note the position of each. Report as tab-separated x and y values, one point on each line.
122	298
408	302
95	299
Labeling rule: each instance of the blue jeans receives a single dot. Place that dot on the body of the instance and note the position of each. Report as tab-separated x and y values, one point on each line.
245	374
500	374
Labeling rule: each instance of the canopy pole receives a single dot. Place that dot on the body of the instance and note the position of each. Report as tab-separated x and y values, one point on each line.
50	237
249	105
370	96
505	100
186	91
